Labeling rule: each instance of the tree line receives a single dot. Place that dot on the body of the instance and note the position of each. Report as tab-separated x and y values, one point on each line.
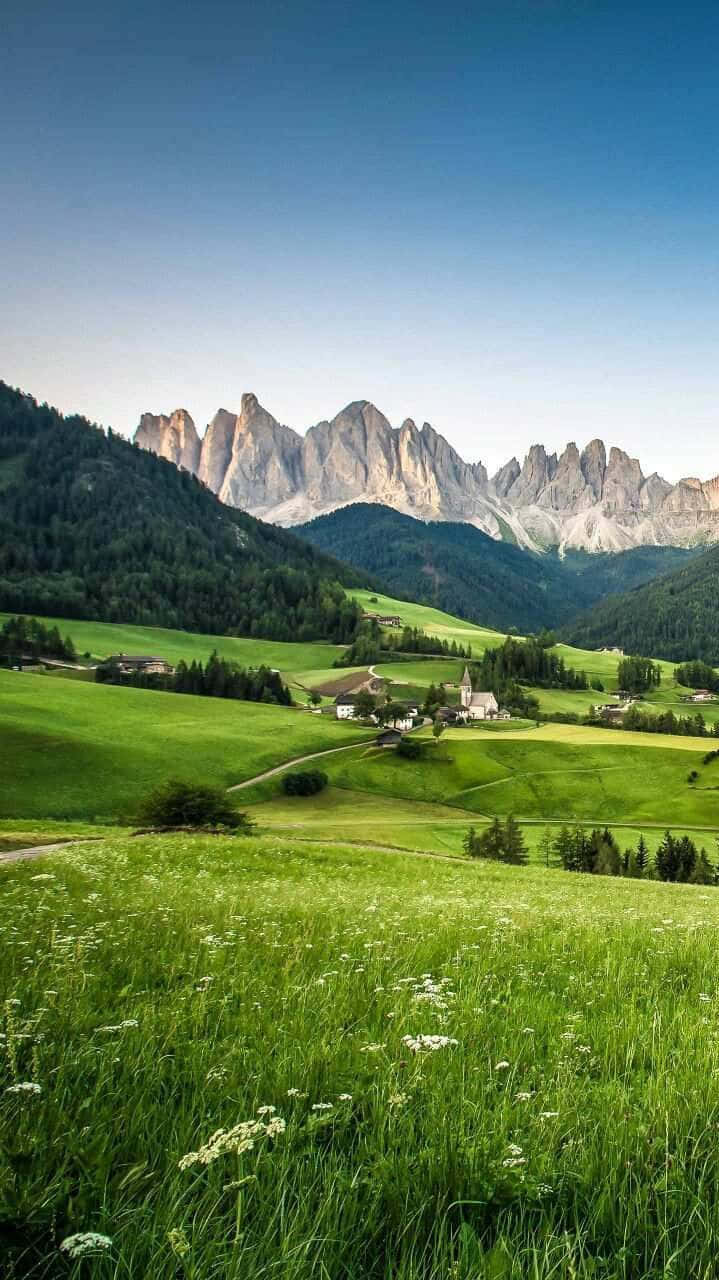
372	644
218	678
697	675
597	852
499	842
26	637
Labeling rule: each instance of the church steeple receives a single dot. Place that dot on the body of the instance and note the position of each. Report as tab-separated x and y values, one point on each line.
465	689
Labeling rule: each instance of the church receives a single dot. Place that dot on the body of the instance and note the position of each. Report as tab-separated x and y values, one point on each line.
476	706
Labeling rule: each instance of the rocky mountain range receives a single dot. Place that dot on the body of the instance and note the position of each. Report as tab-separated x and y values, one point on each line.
584	500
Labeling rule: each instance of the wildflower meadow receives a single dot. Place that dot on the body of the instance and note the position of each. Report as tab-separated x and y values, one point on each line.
248	1058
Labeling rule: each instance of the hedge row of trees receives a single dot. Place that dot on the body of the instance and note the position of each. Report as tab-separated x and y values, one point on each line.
372	644
499	842
664	722
20	637
218	678
597	852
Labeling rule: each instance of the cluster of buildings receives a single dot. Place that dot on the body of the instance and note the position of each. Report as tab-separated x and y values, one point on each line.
473	705
383	619
129	664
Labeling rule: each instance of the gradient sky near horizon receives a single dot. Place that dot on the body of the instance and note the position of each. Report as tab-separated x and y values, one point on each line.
502	218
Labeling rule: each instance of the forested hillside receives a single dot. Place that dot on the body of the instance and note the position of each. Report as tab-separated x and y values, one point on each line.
457	568
674	617
93	527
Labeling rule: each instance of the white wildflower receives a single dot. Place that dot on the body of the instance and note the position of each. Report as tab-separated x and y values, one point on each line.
322	1106
345	1097
84	1242
239	1139
502	1065
25	1086
428	1044
523	1096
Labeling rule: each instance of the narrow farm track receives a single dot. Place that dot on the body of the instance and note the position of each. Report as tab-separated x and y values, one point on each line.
537	773
288	764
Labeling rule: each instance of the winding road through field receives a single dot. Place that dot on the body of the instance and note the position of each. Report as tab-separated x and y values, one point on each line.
288	764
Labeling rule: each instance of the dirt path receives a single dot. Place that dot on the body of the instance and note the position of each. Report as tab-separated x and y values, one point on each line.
33	851
288	764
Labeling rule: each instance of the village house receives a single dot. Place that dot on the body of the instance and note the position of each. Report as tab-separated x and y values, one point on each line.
129	663
345	706
383	619
702	695
476	705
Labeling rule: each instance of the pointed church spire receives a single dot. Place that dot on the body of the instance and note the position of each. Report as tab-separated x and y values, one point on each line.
465	678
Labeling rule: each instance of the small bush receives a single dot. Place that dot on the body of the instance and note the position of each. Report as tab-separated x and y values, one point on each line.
188	804
410	748
307	783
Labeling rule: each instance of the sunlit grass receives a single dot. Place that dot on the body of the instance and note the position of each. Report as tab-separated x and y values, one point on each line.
158	990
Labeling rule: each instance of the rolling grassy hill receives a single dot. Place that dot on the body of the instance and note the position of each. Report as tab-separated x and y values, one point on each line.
298	662
75	750
162	989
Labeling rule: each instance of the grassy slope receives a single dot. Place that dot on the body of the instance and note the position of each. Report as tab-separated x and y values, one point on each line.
368	818
100	639
71	750
246	969
540	774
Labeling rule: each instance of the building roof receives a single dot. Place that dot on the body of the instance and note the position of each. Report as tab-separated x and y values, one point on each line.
389	733
345	700
465	679
133	657
482	699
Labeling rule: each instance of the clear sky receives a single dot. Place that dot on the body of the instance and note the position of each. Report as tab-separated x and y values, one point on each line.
499	217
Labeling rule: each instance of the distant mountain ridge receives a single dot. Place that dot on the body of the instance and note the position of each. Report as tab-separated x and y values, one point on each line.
584	499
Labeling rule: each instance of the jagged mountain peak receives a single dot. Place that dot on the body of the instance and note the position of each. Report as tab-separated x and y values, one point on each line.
580	498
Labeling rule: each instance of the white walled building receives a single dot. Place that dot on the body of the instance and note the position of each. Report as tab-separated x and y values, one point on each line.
476	706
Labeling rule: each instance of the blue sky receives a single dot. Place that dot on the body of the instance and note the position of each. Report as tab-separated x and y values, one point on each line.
498	217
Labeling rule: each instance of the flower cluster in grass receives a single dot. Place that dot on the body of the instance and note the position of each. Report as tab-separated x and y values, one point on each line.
238	1061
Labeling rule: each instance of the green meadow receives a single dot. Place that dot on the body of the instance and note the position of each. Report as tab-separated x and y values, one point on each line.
338	1048
100	639
74	750
258	1056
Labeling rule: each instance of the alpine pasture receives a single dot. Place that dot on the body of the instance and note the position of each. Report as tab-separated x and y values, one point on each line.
338	1047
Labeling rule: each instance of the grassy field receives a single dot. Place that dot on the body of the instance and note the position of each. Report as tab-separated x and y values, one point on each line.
100	639
541	774
72	750
393	822
161	990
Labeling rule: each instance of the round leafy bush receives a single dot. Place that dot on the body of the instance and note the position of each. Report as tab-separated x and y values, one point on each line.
306	783
189	804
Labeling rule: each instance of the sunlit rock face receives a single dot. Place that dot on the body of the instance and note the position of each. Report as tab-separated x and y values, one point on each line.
577	500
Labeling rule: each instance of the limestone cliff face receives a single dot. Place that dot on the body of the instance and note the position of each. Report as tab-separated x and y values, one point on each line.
174	438
579	499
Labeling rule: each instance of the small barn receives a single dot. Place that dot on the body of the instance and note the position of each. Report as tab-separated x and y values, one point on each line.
388	738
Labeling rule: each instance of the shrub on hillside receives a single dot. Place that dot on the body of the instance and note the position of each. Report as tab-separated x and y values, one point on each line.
410	748
306	783
187	804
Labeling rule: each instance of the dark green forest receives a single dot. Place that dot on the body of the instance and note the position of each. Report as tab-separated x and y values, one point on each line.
458	568
93	527
675	617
